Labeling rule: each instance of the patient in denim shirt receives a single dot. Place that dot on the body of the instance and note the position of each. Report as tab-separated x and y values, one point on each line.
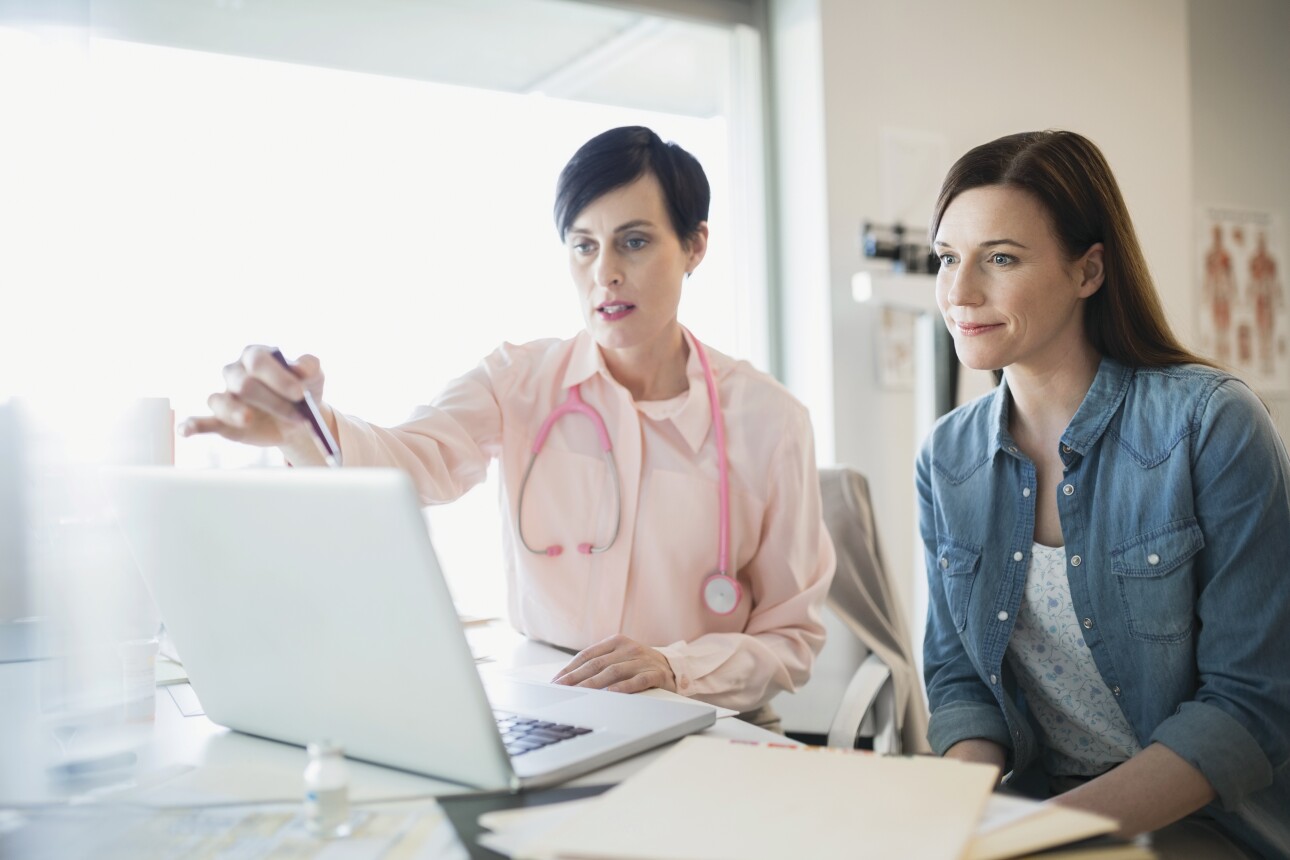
1108	532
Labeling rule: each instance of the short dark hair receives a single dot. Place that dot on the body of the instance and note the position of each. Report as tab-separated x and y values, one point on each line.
1071	179
619	157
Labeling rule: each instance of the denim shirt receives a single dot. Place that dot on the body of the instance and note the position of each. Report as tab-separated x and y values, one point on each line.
1175	513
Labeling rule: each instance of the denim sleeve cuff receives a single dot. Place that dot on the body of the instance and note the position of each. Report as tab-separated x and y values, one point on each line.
959	721
1222	749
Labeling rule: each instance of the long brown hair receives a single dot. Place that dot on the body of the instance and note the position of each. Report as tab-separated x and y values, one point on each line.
1068	174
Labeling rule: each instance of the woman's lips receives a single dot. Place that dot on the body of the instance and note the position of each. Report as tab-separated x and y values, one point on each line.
975	329
611	311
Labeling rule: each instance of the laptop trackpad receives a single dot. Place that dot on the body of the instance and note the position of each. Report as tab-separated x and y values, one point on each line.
525	698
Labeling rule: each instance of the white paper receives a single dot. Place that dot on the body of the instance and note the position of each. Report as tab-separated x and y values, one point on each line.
1002	810
787	797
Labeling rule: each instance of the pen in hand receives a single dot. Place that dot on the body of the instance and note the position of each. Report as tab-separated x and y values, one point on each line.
309	410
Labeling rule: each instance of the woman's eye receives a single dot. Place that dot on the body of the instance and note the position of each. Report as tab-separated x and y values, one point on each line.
947	259
635	243
1002	259
582	247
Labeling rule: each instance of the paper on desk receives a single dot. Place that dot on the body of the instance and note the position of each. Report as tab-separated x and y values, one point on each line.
510	820
544	672
786	797
417	831
1012	826
513	829
1001	811
1009	827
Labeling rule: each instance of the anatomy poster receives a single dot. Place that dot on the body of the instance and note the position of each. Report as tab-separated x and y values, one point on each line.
896	349
1244	323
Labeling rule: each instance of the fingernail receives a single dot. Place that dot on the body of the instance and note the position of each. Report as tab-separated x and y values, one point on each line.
183	429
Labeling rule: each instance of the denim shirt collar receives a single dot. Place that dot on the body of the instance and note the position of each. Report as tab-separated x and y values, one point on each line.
1091	419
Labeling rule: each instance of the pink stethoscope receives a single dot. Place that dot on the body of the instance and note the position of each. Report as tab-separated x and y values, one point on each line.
721	591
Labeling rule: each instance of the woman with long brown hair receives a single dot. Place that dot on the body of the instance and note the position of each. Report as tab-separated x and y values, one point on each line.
1107	531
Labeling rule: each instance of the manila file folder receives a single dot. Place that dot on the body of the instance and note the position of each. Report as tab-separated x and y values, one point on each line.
717	798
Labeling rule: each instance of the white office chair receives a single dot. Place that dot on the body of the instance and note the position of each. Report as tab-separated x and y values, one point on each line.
864	684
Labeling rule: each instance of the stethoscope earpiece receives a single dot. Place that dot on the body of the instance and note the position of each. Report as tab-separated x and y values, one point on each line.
721	592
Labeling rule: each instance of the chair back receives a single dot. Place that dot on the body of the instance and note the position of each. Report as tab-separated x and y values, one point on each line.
864	600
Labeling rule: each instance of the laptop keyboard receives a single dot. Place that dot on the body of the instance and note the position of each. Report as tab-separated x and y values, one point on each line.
522	734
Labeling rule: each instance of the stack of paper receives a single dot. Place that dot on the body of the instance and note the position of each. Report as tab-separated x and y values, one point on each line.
716	798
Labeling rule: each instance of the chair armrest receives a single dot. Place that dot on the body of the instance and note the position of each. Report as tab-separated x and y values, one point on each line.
871	694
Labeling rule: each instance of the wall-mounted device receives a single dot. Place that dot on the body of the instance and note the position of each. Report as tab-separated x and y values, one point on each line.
896	243
897	272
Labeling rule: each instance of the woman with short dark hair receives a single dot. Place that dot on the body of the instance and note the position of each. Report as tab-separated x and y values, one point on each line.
637	535
1106	532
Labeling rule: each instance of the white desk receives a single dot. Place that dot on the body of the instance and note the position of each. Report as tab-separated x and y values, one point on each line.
189	761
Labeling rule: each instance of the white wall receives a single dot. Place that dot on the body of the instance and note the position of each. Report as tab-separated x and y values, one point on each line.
1240	94
970	72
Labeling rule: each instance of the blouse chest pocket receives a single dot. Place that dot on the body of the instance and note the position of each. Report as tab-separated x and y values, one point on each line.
1155	573
958	564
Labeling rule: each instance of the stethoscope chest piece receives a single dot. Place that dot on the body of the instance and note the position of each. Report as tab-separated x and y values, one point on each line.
721	593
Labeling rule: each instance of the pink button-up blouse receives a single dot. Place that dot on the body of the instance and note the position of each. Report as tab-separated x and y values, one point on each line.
647	585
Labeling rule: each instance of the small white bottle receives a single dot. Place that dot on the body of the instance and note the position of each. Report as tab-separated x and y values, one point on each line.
327	791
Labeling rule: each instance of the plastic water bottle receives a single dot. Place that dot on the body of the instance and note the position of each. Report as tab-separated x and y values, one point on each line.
327	791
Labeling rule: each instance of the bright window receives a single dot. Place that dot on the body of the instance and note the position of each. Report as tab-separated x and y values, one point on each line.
177	204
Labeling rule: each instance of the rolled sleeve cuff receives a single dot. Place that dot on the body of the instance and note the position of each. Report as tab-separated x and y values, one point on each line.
355	443
1223	750
960	721
681	670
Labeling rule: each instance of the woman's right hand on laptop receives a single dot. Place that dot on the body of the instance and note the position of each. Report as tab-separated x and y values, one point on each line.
259	405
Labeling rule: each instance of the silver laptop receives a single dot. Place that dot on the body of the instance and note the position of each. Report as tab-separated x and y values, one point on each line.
308	604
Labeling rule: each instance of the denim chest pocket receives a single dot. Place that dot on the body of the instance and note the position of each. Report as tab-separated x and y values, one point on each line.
958	564
1155	573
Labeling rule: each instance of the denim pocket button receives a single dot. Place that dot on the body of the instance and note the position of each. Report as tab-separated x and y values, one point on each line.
1155	573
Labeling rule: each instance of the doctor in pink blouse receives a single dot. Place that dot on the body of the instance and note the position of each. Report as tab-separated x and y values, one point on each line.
614	556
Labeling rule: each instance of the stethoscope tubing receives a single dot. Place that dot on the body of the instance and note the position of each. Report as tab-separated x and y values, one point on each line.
726	585
723	463
587	548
